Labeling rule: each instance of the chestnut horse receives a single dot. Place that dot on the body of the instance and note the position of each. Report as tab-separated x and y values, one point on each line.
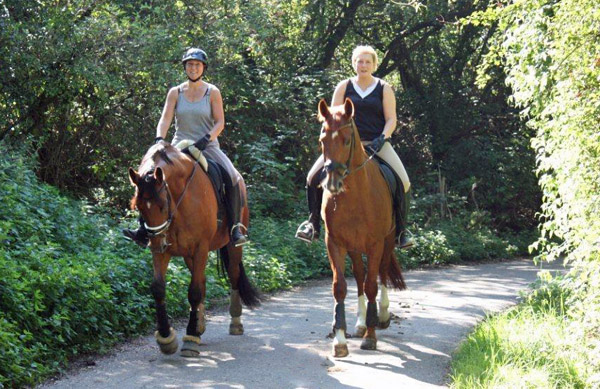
179	206
357	210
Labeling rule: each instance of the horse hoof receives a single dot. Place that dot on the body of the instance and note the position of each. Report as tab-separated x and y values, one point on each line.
190	347
236	329
382	325
340	350
169	344
360	331
369	344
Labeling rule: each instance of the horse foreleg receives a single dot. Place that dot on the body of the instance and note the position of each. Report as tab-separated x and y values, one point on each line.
358	269
196	294
373	261
165	335
337	260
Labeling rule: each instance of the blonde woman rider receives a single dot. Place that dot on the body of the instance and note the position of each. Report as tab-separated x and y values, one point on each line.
375	117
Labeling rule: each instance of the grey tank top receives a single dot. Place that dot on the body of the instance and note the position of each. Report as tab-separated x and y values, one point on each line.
193	120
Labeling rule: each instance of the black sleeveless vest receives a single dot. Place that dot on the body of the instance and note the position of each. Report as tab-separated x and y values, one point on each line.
368	112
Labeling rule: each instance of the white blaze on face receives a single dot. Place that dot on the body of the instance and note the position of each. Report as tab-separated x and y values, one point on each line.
148	205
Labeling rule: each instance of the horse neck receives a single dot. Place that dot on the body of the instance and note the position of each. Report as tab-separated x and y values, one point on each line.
359	158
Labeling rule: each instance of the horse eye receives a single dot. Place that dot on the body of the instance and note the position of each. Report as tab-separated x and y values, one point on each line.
347	142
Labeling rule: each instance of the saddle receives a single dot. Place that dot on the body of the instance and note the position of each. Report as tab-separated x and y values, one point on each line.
215	172
396	189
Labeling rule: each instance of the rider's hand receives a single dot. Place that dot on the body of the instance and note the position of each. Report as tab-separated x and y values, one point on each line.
202	143
375	146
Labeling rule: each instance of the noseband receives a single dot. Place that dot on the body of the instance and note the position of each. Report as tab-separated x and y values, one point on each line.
160	230
332	166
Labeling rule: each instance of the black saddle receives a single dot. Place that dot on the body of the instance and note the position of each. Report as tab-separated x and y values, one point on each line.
217	177
396	189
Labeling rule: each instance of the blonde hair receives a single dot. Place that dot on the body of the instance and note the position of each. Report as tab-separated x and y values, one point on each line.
358	50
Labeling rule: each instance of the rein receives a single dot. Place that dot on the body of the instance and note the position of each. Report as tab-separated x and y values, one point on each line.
345	167
162	229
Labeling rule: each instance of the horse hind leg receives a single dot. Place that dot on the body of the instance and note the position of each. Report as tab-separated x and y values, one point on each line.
384	316
390	273
242	290
358	269
369	341
235	311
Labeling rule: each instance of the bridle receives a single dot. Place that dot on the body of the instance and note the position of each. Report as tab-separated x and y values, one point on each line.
331	166
160	230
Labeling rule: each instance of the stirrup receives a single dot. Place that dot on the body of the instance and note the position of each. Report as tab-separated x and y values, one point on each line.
307	232
132	235
405	243
243	239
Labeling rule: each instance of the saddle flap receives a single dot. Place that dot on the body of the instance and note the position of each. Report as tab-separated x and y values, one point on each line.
195	152
390	176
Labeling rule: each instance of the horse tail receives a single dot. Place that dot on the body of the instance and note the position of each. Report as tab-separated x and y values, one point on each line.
249	295
390	271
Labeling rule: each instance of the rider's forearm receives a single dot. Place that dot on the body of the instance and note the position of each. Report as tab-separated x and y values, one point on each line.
390	127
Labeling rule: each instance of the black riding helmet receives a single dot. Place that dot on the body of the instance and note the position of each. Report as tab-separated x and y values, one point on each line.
197	54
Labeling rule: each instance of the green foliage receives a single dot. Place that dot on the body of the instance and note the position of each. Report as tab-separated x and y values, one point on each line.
94	104
65	284
550	340
550	52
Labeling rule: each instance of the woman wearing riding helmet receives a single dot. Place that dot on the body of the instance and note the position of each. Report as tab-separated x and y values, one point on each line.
197	107
375	116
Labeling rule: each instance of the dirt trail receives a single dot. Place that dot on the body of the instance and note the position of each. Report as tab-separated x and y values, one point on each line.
285	344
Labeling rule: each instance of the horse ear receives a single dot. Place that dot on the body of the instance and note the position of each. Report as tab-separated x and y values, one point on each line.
323	110
159	175
133	177
348	108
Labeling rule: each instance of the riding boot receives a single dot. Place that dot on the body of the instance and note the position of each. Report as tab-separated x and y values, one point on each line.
233	207
310	230
139	236
403	239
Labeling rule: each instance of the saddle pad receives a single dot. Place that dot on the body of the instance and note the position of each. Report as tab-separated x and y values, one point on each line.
194	152
211	168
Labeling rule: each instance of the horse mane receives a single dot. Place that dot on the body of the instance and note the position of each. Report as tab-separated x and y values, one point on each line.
146	188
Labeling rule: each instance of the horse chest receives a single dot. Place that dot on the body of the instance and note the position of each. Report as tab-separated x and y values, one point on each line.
355	222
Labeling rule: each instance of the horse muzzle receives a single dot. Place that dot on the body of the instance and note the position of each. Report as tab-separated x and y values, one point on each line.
334	183
334	180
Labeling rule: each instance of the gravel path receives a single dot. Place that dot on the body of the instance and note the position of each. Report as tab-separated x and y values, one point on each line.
285	344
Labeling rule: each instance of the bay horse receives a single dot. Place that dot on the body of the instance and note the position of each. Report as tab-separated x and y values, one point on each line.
357	210
177	201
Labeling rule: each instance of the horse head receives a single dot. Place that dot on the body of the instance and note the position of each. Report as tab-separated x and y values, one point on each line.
338	143
152	195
